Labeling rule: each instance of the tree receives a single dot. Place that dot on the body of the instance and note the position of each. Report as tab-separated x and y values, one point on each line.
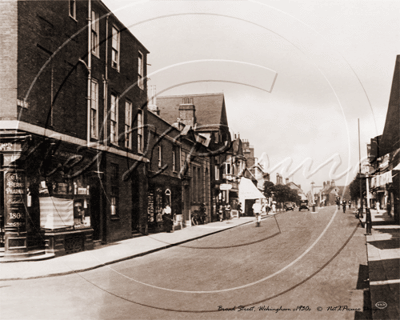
268	188
282	192
355	188
294	196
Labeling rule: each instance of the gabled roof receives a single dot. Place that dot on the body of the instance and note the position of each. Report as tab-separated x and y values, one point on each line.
210	108
390	140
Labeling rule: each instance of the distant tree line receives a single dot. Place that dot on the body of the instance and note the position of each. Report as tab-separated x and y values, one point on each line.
282	193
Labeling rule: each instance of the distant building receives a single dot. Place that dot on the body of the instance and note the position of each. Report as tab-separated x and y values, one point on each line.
297	188
330	192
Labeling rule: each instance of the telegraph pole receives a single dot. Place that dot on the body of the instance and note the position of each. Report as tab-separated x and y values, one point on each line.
359	172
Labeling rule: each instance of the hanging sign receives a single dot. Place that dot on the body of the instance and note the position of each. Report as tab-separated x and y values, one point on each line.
225	186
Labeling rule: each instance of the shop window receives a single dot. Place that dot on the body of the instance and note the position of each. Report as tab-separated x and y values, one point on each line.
114	119
140	71
94	109
128	124
114	190
72	8
95	34
140	131
64	203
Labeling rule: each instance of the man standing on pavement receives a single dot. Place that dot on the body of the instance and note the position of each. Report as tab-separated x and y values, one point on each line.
257	211
344	206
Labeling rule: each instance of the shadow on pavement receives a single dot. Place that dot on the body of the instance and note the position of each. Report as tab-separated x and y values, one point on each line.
362	284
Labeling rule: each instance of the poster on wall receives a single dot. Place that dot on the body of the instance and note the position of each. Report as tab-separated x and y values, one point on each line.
14	199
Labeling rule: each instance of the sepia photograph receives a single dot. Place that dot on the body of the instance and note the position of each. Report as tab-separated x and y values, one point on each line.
199	159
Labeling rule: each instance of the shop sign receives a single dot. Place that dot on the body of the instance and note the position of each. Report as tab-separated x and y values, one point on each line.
225	186
6	146
14	199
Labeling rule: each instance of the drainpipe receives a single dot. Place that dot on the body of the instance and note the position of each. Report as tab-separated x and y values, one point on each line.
105	86
89	83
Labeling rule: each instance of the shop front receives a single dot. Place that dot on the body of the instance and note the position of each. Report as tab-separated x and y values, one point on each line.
47	195
163	191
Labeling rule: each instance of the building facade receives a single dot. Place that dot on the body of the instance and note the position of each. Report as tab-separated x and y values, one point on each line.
206	115
384	155
72	139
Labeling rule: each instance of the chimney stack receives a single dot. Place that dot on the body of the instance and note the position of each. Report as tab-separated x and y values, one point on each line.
187	111
152	100
333	183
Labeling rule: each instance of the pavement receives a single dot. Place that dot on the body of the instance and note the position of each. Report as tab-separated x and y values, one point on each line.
41	266
383	249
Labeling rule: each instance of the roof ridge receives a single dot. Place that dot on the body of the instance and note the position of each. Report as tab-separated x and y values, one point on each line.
191	95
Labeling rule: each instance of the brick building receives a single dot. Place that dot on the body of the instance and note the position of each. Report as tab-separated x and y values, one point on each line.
206	115
72	109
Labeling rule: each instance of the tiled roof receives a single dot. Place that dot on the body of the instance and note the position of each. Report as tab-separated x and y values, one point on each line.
210	108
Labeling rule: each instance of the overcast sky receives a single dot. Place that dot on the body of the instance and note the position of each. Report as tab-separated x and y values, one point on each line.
300	72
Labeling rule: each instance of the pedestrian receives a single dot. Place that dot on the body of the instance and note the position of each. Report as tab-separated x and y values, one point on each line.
273	207
257	212
377	206
239	209
344	206
203	213
349	204
228	212
168	220
221	212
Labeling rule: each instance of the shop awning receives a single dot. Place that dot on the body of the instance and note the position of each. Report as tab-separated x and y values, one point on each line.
247	190
381	179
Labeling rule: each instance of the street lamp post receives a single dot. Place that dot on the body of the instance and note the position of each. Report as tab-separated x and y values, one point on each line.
368	219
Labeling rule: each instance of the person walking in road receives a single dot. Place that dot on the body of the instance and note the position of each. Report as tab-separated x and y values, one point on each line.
273	207
257	211
349	204
344	206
